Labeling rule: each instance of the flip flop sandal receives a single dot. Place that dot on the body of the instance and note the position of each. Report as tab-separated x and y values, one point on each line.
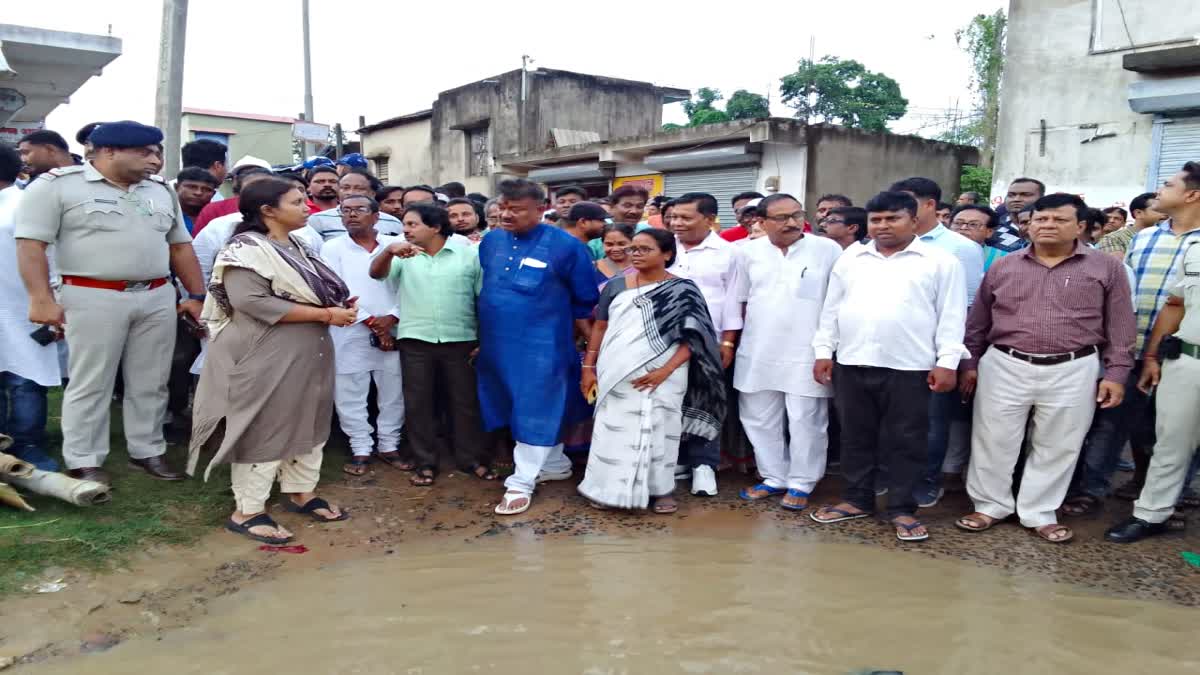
664	509
424	477
356	466
1081	505
394	460
1046	530
766	490
505	508
794	493
261	519
909	527
988	522
488	474
844	515
310	509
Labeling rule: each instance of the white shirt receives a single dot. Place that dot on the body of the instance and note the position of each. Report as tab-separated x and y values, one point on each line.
352	344
328	224
784	294
19	354
212	239
906	311
712	265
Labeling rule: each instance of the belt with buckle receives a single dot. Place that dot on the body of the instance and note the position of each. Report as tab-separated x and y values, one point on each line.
1048	359
108	285
1190	349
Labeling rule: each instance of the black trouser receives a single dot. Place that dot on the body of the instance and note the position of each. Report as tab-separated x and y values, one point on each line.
423	364
882	411
179	384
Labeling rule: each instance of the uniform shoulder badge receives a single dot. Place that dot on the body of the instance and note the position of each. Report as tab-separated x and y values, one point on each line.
158	179
61	171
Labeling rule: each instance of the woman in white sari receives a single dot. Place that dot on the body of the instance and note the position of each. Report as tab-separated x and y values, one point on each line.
656	376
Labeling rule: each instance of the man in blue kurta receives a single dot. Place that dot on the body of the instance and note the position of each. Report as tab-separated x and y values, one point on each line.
538	284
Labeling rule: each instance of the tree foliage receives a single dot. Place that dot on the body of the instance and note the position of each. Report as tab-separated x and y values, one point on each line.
976	179
744	105
983	41
843	92
704	101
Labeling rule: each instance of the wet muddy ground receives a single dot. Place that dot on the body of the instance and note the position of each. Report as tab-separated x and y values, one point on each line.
170	588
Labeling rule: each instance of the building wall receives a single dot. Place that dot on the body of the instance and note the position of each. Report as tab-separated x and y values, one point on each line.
408	151
787	167
271	141
1052	75
860	164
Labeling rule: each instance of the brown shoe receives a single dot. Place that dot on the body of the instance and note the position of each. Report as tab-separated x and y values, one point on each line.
92	473
156	467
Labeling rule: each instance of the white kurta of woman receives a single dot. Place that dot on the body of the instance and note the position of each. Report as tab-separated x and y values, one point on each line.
783	294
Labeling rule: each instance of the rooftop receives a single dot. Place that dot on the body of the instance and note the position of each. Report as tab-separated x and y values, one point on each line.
46	67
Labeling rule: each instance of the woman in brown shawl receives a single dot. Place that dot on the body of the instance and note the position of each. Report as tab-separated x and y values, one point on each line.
268	378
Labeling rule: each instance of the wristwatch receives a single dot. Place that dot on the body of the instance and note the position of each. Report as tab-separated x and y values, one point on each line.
197	296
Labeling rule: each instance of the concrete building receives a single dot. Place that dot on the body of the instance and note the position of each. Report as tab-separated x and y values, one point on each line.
263	136
1100	97
41	69
516	112
771	155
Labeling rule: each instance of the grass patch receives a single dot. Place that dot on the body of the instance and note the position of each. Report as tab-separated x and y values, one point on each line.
142	512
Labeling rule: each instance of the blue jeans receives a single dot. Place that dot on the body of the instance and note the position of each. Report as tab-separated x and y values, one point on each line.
23	411
1111	429
943	409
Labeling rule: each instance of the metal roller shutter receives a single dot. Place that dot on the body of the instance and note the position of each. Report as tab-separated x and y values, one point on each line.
721	183
1179	144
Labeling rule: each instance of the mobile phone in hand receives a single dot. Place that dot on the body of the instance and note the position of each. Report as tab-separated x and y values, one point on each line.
44	335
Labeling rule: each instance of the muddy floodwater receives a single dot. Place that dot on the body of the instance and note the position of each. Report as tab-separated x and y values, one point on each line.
754	602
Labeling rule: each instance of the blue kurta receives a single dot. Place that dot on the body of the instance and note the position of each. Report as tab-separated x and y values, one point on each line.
535	286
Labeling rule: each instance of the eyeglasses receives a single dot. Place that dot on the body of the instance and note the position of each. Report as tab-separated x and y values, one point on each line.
348	210
963	225
832	221
783	220
639	250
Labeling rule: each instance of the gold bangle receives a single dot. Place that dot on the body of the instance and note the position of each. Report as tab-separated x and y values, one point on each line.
727	343
590	367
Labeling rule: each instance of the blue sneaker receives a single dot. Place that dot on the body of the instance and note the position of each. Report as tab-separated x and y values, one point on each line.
928	496
1126	465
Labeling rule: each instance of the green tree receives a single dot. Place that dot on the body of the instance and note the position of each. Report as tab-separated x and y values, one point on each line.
705	100
983	41
976	179
843	92
744	105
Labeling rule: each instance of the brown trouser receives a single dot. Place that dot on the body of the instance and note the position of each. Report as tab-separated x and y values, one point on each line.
424	364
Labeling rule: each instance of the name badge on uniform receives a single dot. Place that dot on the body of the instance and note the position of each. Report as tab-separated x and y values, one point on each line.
112	202
533	262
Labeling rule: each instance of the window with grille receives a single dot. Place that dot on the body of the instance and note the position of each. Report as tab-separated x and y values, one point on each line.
479	158
381	169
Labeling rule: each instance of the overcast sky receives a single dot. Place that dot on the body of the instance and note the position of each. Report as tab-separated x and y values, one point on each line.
382	58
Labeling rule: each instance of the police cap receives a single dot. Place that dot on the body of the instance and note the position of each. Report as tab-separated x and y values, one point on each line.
125	134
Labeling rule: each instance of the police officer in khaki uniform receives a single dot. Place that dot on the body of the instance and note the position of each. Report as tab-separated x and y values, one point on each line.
1172	362
118	234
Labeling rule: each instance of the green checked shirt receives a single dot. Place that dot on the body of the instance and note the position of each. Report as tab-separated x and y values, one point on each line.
436	294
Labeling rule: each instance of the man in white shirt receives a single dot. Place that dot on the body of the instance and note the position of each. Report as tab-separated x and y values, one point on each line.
782	283
365	351
711	262
895	314
948	406
27	367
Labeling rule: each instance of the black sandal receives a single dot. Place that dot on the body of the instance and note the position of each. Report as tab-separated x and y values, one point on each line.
396	461
487	473
1081	505
357	466
424	477
310	509
259	520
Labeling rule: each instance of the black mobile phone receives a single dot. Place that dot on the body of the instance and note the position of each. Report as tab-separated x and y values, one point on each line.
44	335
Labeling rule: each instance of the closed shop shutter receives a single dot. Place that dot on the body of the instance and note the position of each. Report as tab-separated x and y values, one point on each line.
1179	144
721	183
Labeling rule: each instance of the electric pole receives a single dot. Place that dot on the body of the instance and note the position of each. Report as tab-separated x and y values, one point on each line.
168	99
308	97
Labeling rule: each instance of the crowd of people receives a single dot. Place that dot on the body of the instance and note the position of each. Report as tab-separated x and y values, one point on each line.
906	340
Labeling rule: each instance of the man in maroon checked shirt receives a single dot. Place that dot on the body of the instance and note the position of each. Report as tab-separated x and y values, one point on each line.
1049	322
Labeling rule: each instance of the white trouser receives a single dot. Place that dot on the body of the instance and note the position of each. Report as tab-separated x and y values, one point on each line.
1063	400
350	396
530	460
1177	431
252	482
797	464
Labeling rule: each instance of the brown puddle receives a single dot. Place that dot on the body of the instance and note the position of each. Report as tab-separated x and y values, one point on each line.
762	600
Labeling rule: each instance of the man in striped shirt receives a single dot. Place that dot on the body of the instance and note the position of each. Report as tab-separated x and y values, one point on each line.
1048	322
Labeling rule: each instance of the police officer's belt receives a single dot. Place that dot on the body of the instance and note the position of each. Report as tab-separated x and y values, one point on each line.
1189	349
109	285
1048	359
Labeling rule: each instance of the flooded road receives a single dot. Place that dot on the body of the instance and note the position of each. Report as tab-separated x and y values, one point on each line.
762	600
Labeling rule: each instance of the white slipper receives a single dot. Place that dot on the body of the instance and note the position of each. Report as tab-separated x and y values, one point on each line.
548	476
504	508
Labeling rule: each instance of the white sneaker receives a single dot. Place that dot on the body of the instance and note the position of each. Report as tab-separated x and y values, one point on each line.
704	481
548	476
